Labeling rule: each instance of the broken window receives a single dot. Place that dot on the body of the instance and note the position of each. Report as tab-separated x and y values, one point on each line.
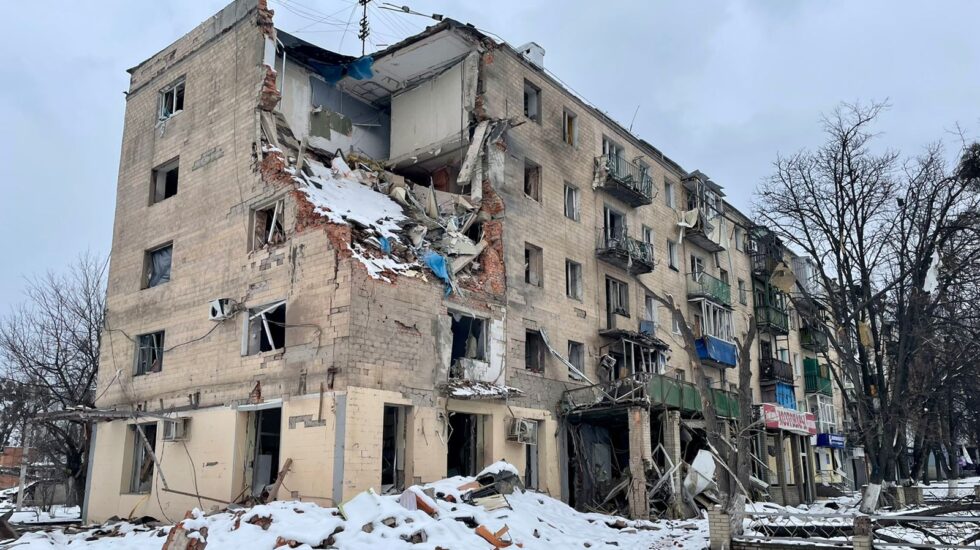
532	180
697	267
141	475
647	235
576	356
469	339
573	279
672	255
265	329
164	181
669	193
149	353
569	127
571	202
267	226
614	152
265	458
617	297
742	294
723	275
172	99
532	102
533	265
531	459
534	351
156	265
651	310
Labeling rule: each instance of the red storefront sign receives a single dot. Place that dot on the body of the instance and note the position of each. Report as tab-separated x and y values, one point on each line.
781	418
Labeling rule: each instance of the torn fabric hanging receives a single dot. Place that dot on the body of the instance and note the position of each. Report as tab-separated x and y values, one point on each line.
359	69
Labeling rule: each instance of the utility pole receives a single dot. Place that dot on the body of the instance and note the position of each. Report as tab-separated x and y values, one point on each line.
365	29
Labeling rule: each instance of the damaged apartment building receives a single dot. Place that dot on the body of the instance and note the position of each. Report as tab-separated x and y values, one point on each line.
333	273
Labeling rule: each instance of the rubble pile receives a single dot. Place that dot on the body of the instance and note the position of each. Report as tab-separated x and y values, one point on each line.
397	227
490	510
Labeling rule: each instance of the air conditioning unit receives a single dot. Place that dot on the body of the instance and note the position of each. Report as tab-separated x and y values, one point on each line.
221	309
523	430
176	429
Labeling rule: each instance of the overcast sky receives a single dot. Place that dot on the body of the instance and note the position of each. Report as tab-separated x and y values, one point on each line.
721	86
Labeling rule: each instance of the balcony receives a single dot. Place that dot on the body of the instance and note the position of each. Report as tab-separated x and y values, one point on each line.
702	285
772	319
813	338
625	252
781	394
716	352
767	252
624	180
649	390
817	377
775	370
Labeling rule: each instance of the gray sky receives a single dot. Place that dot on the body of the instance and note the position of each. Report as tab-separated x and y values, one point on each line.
721	86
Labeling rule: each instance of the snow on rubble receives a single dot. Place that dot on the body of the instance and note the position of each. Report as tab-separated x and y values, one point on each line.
444	514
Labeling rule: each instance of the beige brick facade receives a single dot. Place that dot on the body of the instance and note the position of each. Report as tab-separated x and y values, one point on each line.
356	348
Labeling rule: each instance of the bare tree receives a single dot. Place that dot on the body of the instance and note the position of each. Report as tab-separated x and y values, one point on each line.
49	351
876	226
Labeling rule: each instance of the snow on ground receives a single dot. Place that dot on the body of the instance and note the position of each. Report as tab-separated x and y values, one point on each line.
376	522
36	515
342	197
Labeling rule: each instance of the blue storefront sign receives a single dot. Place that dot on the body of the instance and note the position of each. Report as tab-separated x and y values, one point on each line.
834	441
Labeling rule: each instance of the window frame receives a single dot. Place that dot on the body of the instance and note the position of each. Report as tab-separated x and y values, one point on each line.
279	212
669	198
266	331
576	195
178	84
531	167
622	294
533	265
581	356
141	458
569	127
573	286
148	265
673	255
537	111
141	368
158	176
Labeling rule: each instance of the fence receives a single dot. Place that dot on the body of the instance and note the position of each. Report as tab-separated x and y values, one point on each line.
955	524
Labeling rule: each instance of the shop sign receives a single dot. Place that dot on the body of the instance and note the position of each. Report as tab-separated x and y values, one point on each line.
781	418
834	441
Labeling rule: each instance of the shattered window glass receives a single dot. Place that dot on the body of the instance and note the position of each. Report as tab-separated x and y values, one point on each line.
158	266
267	226
571	202
149	353
172	99
141	480
165	179
265	329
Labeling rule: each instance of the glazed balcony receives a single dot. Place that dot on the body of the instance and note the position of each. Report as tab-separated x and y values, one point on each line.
623	251
625	180
702	285
775	370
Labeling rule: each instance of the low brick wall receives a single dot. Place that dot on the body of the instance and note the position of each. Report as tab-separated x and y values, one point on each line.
764	545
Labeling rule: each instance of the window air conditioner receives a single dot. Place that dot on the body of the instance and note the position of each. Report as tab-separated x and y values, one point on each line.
524	431
221	309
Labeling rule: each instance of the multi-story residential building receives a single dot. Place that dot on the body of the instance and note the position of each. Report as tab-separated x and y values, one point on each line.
380	271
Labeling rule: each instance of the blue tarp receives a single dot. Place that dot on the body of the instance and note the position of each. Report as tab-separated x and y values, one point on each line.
359	69
785	396
719	351
385	245
437	263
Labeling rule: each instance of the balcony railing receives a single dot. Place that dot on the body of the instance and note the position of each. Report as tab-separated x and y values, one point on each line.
772	318
702	285
623	251
813	338
648	390
775	370
625	180
816	377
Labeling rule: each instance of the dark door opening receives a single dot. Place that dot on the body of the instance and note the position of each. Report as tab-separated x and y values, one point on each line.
393	448
265	461
465	445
